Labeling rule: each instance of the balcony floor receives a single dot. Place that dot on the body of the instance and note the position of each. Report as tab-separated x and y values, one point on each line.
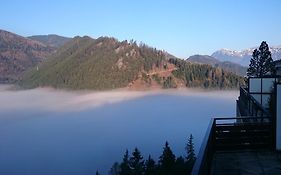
246	162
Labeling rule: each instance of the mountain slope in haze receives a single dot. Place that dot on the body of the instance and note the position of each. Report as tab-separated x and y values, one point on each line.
226	65
86	63
205	76
203	59
106	63
243	57
51	40
18	54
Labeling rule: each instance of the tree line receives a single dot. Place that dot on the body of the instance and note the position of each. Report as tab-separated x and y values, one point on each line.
168	163
205	76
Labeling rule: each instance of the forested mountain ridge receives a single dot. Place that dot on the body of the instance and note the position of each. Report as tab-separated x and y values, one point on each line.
51	40
106	63
86	63
226	65
205	76
18	54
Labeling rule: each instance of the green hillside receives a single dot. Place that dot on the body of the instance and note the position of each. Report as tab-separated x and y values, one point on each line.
86	63
226	65
106	63
205	76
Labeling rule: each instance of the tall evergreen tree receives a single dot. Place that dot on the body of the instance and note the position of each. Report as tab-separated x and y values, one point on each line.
252	70
190	153
180	166
190	149
136	163
266	62
97	173
124	166
150	166
167	161
261	62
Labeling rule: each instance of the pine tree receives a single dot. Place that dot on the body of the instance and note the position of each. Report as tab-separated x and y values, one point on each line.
252	70
167	160
190	149
190	153
136	163
97	173
124	166
180	167
266	62
150	167
261	62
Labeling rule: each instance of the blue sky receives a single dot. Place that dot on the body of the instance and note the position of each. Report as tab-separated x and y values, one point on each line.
182	28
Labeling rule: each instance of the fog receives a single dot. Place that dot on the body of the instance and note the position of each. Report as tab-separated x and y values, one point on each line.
47	131
49	99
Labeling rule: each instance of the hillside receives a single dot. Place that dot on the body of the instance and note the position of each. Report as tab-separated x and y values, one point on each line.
18	54
203	59
51	40
226	65
106	63
205	76
86	63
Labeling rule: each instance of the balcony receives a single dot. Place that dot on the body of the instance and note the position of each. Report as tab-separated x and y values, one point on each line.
232	135
248	143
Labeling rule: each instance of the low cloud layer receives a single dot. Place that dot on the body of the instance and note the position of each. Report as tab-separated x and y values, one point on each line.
59	100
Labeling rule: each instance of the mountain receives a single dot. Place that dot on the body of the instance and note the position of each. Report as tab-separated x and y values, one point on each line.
203	59
226	65
86	63
243	57
51	40
106	63
205	76
18	54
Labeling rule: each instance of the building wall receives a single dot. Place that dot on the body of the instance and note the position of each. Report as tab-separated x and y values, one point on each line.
260	89
278	67
278	118
278	72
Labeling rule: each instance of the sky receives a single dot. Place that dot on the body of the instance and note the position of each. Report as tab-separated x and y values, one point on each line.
181	27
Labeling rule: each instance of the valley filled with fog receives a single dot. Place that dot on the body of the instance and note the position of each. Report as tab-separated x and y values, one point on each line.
47	131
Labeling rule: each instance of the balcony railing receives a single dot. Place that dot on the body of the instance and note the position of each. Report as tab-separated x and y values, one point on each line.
231	134
247	105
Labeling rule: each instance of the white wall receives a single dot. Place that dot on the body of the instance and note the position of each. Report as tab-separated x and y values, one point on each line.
278	118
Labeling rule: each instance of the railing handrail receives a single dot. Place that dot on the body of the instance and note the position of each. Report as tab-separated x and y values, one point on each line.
202	155
200	165
265	111
237	118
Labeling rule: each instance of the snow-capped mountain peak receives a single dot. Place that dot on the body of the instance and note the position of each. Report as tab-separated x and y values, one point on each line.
243	57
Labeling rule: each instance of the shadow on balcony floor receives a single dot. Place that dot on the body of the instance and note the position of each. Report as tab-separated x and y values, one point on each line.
246	163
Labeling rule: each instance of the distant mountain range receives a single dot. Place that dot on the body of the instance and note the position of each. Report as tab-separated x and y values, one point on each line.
102	63
87	63
226	65
18	54
243	57
106	63
50	40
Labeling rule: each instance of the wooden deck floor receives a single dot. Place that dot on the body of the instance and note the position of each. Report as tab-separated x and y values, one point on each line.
246	163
